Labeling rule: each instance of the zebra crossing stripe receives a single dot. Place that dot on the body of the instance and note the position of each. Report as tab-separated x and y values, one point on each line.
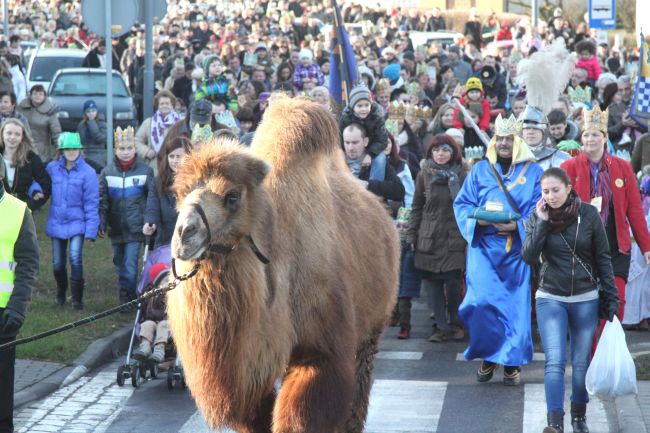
535	411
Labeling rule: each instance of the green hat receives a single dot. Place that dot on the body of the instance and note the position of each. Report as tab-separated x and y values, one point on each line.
70	140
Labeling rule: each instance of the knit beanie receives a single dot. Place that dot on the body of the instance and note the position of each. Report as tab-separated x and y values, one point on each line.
306	53
359	93
473	83
89	104
209	59
392	73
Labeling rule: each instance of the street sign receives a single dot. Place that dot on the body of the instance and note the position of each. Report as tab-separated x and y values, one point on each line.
602	14
123	15
159	10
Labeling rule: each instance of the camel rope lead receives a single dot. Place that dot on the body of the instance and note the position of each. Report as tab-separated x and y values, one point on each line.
134	303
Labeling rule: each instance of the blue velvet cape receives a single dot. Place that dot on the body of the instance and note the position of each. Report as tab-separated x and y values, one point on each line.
496	308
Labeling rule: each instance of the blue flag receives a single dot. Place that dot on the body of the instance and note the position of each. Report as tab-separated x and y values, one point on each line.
343	65
640	107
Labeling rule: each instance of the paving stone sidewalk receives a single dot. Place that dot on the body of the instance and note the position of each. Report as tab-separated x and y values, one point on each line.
644	401
29	373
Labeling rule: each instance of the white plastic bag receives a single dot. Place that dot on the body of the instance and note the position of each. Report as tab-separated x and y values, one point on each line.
612	372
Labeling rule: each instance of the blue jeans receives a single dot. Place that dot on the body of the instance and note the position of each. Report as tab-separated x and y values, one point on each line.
554	319
59	248
125	259
378	167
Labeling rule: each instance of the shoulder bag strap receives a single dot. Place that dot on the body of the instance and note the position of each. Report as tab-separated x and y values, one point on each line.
503	188
575	256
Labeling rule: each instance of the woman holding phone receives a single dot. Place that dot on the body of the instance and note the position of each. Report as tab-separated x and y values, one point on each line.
571	239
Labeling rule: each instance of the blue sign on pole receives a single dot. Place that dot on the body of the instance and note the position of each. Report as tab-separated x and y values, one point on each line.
602	14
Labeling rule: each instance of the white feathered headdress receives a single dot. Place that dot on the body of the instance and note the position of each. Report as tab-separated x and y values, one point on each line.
545	75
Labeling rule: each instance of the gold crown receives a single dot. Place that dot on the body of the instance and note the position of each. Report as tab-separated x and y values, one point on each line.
124	136
413	112
580	95
595	119
421	68
509	126
397	110
382	85
426	113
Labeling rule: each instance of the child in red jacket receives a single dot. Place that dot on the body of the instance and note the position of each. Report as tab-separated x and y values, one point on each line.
588	60
473	94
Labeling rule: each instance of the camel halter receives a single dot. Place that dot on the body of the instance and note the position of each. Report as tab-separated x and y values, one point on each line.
225	249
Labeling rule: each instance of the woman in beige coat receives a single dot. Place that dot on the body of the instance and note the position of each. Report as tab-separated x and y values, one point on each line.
152	132
41	113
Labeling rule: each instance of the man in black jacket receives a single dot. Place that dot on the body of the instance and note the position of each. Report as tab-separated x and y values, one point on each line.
18	273
355	141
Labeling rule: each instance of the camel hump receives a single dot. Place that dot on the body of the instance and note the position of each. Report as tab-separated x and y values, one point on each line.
295	128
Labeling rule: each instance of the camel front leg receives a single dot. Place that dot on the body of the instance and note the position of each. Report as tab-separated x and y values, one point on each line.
261	423
365	360
315	392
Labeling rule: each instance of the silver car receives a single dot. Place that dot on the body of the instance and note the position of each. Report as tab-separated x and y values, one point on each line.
43	64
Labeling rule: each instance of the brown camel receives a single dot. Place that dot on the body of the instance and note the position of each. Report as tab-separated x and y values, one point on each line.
310	316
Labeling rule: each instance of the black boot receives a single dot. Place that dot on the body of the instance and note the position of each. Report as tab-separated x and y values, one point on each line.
77	291
578	418
61	278
555	421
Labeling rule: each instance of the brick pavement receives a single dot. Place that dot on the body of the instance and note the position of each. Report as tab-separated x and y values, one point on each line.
644	401
29	372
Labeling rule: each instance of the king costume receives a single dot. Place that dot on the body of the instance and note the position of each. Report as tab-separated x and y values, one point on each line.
496	308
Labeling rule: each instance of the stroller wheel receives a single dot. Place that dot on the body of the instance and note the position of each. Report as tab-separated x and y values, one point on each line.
136	379
120	375
153	370
142	369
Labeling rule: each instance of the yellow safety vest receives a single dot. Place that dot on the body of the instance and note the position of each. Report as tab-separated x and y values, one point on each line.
12	212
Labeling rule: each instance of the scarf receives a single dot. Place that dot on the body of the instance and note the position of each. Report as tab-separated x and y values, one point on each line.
601	186
159	125
562	217
444	175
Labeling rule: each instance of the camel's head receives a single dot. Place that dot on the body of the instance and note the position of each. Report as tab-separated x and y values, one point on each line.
221	180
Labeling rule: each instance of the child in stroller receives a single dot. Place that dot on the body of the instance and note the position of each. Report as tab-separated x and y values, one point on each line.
154	328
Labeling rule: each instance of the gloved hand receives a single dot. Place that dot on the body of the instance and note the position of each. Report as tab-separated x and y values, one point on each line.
11	321
607	308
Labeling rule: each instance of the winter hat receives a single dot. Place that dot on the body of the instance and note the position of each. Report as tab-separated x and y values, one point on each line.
473	83
358	93
90	104
156	269
208	60
306	53
408	55
261	46
367	72
392	73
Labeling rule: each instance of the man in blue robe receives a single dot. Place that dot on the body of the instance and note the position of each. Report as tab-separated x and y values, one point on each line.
496	308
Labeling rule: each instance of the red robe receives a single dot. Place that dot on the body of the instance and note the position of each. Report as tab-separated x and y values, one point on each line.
627	199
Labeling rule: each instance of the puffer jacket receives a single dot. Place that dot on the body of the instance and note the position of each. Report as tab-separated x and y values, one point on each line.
123	200
75	200
559	274
93	132
440	247
374	125
44	125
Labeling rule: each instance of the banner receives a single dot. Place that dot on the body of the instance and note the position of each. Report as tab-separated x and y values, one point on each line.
640	107
343	64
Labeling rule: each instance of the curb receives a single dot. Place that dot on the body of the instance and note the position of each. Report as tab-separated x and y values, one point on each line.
630	417
98	353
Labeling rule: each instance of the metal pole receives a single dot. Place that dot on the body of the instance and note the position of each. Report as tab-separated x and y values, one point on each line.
147	94
109	82
5	15
535	8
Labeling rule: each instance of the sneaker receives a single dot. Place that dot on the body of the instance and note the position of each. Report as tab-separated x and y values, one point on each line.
143	351
158	354
438	336
404	334
457	333
511	376
486	371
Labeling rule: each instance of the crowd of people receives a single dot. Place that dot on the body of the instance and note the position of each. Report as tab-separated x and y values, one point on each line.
483	174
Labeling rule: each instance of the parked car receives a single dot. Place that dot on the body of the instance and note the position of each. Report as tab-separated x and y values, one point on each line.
44	63
71	87
28	48
443	37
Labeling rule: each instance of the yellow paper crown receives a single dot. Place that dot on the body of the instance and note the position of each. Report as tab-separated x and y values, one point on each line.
595	119
413	112
124	136
426	113
580	95
382	85
413	89
397	110
509	126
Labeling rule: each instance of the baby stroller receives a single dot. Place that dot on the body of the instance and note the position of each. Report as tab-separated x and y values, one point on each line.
138	370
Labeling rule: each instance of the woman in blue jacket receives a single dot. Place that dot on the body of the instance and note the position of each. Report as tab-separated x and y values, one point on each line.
74	215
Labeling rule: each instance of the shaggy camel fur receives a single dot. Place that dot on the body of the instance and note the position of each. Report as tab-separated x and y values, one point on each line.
313	315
